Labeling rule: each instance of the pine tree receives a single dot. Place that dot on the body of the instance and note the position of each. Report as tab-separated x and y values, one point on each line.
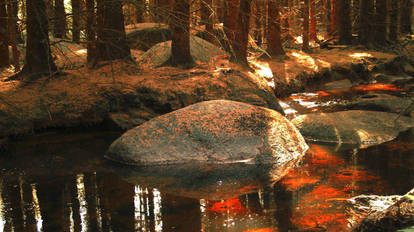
273	37
4	51
242	33
344	22
305	45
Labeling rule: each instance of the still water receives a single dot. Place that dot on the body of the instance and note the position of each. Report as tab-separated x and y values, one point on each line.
61	182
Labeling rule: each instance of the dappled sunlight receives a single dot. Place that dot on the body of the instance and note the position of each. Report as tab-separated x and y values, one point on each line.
305	102
299	40
263	70
81	52
377	86
269	229
324	64
360	55
305	59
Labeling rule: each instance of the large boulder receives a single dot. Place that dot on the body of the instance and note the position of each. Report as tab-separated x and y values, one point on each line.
143	36
218	131
352	127
382	102
201	50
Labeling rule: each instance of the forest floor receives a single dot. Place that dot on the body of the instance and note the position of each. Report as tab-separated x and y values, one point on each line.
81	95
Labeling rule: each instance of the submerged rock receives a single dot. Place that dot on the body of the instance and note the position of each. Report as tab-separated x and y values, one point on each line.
382	102
352	127
201	181
201	50
218	131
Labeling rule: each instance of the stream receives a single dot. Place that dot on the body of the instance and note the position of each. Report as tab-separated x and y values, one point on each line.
59	181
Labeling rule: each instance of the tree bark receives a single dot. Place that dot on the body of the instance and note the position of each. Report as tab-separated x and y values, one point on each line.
313	35
334	17
241	38
38	59
230	23
366	28
344	22
4	51
393	33
328	14
274	47
180	33
381	22
112	43
12	22
90	31
59	20
305	45
139	11
76	10
406	16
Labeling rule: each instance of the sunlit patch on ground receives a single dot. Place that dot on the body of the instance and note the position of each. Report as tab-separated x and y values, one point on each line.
305	59
377	86
81	52
360	55
227	206
262	69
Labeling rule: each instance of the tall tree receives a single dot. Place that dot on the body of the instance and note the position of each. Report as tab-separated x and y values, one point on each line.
111	40
76	20
313	35
366	29
334	17
90	31
59	19
38	58
381	22
230	23
406	16
139	11
12	22
4	51
344	22
394	14
180	34
274	47
241	38
305	45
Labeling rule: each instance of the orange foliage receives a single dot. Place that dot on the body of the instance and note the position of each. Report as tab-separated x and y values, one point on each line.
230	205
377	86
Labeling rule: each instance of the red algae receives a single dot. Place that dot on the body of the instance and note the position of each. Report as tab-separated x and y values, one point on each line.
324	192
296	180
230	205
377	86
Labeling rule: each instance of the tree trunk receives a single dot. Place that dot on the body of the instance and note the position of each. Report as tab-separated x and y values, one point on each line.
112	44
328	15
12	22
381	22
274	47
4	51
161	10
76	10
355	17
366	28
230	23
38	59
393	33
241	38
313	35
180	33
59	20
305	45
344	22
139	11
406	16
90	31
334	17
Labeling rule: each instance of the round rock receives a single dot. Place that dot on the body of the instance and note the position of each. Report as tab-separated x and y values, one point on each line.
218	131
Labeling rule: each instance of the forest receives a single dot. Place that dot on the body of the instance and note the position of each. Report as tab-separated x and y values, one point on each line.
206	115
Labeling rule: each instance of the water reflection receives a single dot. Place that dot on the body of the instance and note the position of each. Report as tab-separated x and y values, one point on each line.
97	198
